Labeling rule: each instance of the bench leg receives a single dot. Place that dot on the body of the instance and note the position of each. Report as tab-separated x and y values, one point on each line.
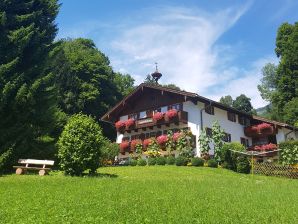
42	172
19	171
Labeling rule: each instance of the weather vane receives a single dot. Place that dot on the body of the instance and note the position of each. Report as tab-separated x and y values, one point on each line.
156	75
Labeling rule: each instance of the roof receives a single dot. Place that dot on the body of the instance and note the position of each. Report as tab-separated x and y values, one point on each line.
193	96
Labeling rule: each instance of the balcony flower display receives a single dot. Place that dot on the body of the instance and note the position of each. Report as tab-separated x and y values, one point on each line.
124	146
120	126
259	129
263	126
130	123
158	116
134	143
267	147
170	114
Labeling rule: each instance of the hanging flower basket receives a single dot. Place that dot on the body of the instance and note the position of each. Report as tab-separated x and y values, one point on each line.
120	126
130	123
162	141
171	115
134	143
259	129
158	117
124	147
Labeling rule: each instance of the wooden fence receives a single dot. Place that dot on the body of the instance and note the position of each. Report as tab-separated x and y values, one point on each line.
272	169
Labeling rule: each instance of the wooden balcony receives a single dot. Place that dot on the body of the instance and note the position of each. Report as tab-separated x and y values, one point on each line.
144	123
251	132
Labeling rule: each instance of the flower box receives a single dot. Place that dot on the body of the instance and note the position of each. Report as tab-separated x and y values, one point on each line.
171	115
158	117
120	126
130	124
124	147
262	129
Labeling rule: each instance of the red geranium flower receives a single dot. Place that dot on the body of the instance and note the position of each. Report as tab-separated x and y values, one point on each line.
158	116
171	113
162	140
176	136
264	126
134	143
124	146
147	142
129	123
120	124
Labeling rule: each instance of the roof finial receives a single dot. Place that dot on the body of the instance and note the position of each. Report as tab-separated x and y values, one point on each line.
156	69
156	75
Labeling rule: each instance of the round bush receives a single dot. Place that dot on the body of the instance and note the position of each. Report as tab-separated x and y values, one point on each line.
142	162
161	161
243	165
212	163
197	161
170	160
181	161
79	145
151	161
133	162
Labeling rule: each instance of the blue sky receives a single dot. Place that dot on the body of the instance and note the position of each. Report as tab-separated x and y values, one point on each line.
213	48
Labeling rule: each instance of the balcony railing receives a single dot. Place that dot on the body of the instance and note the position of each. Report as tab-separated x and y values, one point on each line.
260	130
149	122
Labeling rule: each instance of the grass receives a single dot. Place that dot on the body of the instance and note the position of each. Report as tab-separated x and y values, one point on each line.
157	194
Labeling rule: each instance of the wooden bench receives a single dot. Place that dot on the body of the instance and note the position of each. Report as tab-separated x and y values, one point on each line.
28	162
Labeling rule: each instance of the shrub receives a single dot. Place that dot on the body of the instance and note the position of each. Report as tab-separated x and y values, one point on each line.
161	161
142	162
197	161
109	152
176	136
170	160
289	152
162	140
134	143
181	161
230	157
4	159
243	165
212	163
151	161
133	162
79	145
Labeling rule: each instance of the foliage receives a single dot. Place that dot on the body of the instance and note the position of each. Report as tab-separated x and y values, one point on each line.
226	100
142	162
289	152
197	161
290	111
149	80
28	104
217	136
212	163
243	103
183	144
124	83
151	161
161	160
133	162
124	146
80	145
243	165
230	157
181	161
153	148
4	158
171	143
136	145
269	80
109	151
170	160
162	140
204	141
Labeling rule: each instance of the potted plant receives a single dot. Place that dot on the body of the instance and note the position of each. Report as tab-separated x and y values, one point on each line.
124	147
120	126
171	115
162	141
158	117
130	124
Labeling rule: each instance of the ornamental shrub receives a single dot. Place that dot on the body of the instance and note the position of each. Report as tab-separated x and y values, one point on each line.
242	164
212	163
170	160
134	143
151	161
181	161
161	161
230	157
142	162
289	152
133	162
108	152
197	161
79	146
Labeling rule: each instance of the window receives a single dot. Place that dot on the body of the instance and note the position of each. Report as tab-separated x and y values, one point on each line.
244	141
177	106
209	132
159	133
134	116
209	109
145	114
231	116
152	134
164	109
241	120
227	137
157	110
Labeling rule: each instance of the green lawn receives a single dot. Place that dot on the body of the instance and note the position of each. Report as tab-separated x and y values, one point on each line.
156	194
